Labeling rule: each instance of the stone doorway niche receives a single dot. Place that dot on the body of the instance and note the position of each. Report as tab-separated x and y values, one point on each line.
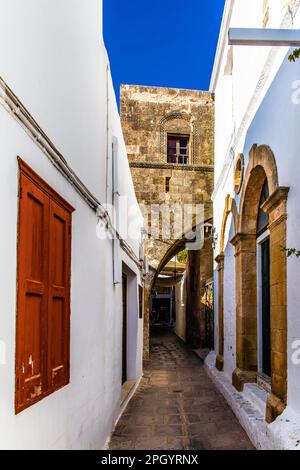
261	167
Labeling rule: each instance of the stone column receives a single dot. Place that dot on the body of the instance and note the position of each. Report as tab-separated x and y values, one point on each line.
276	207
246	310
220	268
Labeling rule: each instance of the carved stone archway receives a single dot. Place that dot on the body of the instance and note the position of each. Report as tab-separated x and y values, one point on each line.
261	166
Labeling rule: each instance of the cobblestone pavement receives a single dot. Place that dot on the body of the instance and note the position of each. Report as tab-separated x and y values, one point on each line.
177	407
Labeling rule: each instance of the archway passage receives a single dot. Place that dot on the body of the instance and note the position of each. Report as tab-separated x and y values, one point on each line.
261	281
181	293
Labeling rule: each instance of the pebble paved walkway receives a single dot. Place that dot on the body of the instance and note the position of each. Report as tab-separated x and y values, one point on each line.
177	407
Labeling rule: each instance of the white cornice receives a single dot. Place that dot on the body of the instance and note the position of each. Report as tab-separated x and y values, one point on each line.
223	40
17	110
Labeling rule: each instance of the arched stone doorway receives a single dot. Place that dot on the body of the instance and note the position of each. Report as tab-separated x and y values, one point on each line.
261	171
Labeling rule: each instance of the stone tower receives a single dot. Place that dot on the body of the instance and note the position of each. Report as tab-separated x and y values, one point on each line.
169	138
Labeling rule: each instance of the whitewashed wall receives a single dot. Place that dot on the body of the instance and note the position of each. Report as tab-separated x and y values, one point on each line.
54	59
255	106
229	302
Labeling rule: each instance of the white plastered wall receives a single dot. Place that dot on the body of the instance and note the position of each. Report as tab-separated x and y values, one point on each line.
54	59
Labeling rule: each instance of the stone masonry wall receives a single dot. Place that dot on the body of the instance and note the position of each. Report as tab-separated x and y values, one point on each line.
148	114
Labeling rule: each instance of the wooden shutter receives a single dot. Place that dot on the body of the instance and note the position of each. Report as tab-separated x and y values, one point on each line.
32	292
43	290
59	291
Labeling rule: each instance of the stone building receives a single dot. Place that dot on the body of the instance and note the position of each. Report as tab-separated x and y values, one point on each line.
256	215
169	138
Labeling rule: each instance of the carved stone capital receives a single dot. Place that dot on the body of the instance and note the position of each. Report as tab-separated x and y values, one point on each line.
220	261
280	195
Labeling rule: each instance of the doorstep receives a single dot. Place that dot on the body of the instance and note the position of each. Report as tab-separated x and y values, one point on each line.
249	407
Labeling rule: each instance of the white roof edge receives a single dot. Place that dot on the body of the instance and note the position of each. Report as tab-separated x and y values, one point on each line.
223	39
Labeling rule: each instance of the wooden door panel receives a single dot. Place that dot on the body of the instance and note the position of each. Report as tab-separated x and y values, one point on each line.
57	345
36	214
58	232
32	366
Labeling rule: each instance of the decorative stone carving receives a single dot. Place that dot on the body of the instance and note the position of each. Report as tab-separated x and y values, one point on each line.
238	173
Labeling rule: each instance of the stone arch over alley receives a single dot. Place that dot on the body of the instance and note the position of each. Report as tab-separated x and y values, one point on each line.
194	323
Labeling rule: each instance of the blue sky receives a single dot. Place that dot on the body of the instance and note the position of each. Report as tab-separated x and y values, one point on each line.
162	42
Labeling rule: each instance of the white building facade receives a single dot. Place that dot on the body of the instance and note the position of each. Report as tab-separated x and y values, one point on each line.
71	301
257	215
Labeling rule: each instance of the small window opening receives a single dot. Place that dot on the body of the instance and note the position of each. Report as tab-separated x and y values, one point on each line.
168	184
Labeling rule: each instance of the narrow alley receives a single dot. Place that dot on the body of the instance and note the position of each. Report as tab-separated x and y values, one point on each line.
150	242
177	407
